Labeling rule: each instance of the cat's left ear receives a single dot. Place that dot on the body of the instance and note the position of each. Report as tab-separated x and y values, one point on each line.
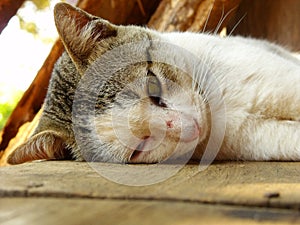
81	33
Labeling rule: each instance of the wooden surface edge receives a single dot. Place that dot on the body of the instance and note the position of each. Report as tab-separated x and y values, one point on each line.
90	211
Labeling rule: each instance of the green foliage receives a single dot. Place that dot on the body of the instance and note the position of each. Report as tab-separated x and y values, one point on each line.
28	26
31	26
6	107
41	4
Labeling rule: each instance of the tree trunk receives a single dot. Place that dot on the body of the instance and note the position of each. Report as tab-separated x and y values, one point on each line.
277	21
8	8
193	15
121	11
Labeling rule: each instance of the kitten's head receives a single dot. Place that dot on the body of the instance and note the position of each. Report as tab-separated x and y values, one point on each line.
136	101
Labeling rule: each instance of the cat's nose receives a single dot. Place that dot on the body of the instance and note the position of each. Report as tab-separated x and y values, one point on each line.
186	125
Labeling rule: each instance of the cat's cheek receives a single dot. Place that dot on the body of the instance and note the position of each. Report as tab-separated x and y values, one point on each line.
191	132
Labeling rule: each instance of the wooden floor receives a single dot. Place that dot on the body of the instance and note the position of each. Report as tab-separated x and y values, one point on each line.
64	192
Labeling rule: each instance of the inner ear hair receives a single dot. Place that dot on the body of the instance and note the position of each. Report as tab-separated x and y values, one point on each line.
80	31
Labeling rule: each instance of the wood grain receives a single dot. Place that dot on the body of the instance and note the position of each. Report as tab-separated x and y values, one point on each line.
247	184
129	212
224	193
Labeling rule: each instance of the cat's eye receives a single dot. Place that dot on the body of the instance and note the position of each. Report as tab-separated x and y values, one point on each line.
154	89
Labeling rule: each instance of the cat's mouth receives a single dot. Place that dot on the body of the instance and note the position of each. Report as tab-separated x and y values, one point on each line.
140	150
145	148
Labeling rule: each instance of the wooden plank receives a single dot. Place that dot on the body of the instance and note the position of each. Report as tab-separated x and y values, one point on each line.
263	184
124	212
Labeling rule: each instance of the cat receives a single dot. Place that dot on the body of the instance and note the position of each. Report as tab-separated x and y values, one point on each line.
165	95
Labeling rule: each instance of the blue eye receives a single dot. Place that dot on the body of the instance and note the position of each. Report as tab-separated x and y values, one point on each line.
154	90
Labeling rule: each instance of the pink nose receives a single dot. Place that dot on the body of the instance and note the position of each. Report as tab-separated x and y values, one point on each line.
188	126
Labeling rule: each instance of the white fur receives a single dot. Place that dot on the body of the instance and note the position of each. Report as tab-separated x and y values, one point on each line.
260	83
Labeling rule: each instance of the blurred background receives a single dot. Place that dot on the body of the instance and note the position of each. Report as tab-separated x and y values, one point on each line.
25	43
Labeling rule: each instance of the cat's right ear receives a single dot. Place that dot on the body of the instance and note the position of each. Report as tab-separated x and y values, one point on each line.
81	33
44	145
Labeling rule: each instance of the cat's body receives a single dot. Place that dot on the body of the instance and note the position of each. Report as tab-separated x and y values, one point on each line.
260	85
143	112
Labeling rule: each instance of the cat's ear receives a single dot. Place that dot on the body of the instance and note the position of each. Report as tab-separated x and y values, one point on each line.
81	32
44	145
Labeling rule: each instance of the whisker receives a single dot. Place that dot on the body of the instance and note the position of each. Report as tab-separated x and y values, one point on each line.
197	77
236	25
220	22
223	19
201	75
194	76
204	74
206	22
